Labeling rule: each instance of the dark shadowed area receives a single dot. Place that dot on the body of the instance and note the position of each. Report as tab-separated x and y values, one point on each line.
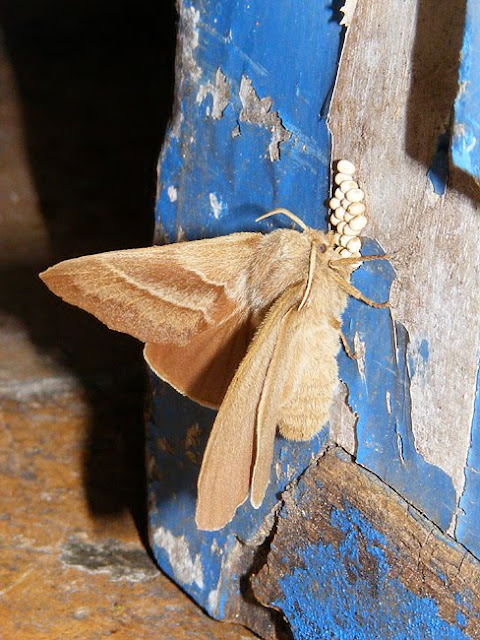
86	101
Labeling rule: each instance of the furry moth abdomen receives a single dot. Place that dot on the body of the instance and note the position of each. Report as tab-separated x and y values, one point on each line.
246	323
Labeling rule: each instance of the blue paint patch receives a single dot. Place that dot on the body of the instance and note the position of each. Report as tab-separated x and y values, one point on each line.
346	591
252	42
438	170
467	530
466	131
380	395
423	350
461	619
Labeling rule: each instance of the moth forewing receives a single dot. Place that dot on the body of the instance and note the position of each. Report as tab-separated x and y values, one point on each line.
268	414
226	471
196	304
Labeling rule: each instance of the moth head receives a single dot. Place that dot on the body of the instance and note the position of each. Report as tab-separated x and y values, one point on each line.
324	244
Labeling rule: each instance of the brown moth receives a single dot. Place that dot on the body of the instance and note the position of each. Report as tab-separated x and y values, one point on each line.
248	324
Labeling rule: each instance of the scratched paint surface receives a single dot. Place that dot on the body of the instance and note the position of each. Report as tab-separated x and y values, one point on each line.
197	561
228	158
361	596
466	133
250	134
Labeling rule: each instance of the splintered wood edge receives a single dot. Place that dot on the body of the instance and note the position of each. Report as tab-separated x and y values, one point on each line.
428	563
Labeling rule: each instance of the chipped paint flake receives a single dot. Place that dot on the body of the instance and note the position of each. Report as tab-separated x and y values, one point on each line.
181	235
220	92
258	111
343	421
216	205
359	346
192	444
188	70
186	569
172	193
213	599
388	400
190	18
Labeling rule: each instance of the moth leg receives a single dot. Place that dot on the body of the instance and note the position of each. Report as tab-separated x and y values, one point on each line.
353	291
337	325
347	261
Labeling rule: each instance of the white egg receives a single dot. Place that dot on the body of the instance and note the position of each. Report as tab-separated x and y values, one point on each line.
345	166
355	195
340	177
354	244
358	223
356	208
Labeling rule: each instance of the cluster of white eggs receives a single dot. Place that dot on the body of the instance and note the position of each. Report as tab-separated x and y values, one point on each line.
348	217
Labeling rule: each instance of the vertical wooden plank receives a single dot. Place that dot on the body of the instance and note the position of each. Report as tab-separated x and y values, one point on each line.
390	111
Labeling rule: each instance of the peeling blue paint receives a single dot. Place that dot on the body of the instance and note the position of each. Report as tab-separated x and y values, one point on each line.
423	350
172	490
468	522
253	42
461	619
386	443
466	131
357	601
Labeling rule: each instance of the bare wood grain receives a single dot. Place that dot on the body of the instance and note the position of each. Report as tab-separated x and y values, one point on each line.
418	556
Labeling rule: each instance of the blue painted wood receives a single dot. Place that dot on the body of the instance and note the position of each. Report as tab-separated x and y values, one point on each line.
345	561
380	396
466	132
216	175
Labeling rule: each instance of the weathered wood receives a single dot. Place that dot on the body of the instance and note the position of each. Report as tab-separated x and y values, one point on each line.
351	559
396	83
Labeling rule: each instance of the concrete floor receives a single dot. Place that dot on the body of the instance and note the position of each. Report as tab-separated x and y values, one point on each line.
85	94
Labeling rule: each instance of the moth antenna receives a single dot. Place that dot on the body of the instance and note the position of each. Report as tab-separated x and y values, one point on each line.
353	291
287	213
311	271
